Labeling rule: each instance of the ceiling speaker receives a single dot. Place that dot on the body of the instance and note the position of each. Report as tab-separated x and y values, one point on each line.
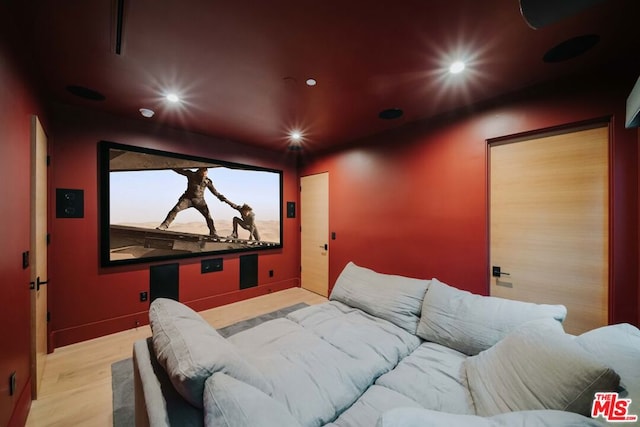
540	13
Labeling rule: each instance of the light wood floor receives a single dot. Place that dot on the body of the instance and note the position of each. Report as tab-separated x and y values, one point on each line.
76	388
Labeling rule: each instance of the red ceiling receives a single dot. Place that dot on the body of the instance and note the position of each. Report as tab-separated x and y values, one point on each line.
240	66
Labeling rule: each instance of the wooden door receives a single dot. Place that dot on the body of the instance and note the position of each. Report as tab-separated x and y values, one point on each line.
549	223
314	219
38	253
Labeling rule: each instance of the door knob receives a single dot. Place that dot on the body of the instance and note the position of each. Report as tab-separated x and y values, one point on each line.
40	283
496	271
36	285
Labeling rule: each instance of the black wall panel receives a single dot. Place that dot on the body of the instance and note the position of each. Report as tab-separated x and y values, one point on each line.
163	281
248	271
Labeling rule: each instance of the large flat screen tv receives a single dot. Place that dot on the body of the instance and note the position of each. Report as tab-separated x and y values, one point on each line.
157	205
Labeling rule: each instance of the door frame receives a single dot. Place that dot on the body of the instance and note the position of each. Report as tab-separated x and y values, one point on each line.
326	243
549	131
39	218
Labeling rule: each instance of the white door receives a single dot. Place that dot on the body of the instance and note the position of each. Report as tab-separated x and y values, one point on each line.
314	219
549	223
38	257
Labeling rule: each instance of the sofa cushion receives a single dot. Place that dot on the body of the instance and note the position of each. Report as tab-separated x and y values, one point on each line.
190	350
537	366
435	377
397	299
359	334
373	403
412	417
471	323
232	403
317	379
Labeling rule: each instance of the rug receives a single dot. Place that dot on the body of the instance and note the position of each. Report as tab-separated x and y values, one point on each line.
122	371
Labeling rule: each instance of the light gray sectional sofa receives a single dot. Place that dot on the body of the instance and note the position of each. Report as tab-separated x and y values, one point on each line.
385	350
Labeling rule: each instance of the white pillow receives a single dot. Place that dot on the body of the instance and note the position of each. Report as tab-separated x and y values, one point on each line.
471	323
397	299
617	346
190	350
537	366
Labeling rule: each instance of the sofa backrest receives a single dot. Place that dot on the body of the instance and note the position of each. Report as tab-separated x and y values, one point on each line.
397	299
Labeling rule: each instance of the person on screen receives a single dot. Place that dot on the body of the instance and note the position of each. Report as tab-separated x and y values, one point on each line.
193	197
247	220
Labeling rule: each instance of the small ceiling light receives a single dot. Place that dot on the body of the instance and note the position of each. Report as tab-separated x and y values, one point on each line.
146	112
172	97
295	135
311	82
456	67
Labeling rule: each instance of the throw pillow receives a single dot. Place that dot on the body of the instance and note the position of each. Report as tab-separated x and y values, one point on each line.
397	299
471	323
190	350
537	366
617	346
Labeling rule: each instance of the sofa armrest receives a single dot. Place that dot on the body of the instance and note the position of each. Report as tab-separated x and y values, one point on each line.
149	401
157	403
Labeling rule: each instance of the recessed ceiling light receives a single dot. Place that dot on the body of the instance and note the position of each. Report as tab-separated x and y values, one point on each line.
456	67
172	97
295	135
311	82
146	112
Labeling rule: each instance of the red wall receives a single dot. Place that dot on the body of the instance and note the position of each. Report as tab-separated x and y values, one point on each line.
414	201
87	301
17	104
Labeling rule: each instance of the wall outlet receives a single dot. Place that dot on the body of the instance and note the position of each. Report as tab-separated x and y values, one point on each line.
210	265
143	296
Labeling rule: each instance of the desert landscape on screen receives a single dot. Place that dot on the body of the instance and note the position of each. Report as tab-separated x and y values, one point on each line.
269	230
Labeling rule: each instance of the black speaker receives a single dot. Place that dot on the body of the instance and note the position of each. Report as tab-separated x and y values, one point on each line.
69	203
248	271
163	281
